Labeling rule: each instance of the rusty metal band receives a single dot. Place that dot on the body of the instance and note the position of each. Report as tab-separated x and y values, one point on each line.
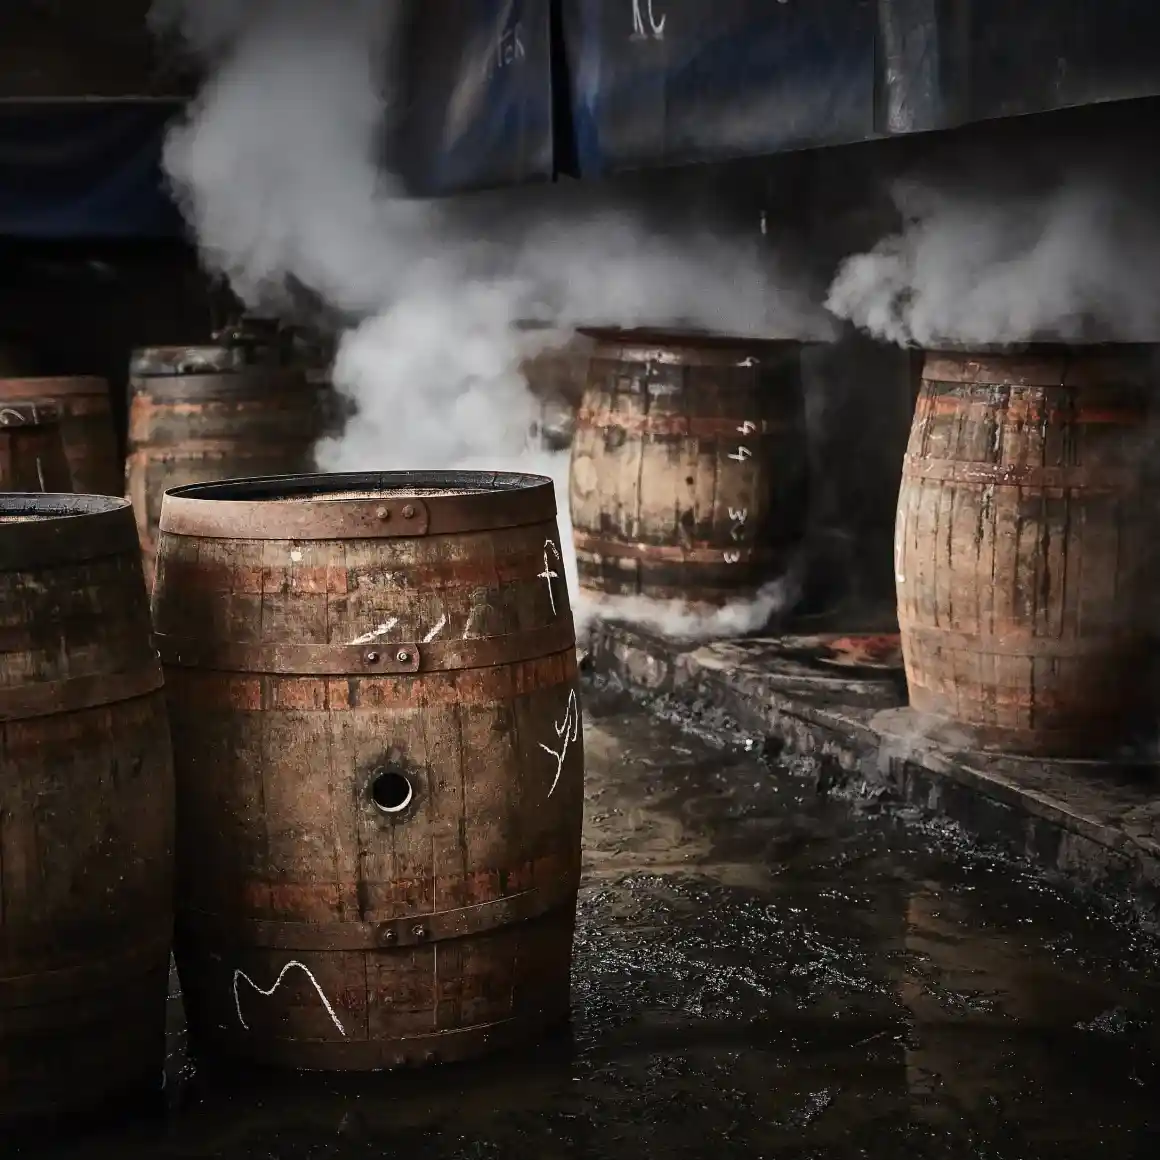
1016	642
83	386
65	529
390	516
374	659
415	930
147	454
254	384
29	414
1117	479
704	427
389	1054
1058	369
687	349
698	553
108	972
955	406
75	694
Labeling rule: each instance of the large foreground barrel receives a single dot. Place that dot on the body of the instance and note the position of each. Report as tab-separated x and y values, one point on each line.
216	412
373	691
86	811
689	467
86	427
32	456
1023	548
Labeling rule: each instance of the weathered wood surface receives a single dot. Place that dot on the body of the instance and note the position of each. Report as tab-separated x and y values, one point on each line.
32	456
199	414
86	427
413	635
689	469
1024	548
86	811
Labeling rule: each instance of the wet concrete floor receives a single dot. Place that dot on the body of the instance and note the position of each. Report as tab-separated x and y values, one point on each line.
760	971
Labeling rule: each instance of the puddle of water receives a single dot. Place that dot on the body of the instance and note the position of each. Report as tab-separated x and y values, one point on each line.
759	971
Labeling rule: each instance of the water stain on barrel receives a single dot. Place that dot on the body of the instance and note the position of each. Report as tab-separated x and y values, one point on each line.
1024	547
374	697
32	454
86	421
201	413
86	812
689	471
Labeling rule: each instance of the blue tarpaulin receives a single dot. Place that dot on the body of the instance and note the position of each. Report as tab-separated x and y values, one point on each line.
681	81
477	94
85	170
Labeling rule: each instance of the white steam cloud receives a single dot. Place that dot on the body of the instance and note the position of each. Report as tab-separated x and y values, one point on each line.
1073	262
278	169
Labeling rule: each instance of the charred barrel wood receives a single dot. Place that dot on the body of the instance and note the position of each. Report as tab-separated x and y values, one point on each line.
86	427
689	473
86	812
1024	548
374	697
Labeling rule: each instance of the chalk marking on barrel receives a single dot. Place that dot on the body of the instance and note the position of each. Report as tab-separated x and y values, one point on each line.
567	731
10	414
374	634
747	428
240	974
470	621
739	516
547	575
436	630
296	555
40	473
742	454
732	557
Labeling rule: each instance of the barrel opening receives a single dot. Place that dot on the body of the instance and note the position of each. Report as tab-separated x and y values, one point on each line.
361	485
391	791
22	507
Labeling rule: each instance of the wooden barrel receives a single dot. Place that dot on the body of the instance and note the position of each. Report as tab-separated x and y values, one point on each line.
689	469
556	379
373	691
1023	548
86	811
199	414
86	427
32	456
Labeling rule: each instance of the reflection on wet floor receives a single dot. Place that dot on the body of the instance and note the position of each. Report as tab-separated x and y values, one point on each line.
759	971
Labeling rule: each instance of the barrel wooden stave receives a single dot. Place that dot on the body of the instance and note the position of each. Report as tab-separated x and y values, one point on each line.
283	857
1023	549
198	423
86	812
689	475
86	420
32	455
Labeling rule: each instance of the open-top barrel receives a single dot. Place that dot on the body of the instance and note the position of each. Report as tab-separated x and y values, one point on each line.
689	470
32	456
86	812
86	427
373	689
199	414
1024	548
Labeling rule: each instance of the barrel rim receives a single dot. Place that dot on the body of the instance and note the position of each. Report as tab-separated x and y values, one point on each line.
273	508
28	413
72	528
30	387
685	338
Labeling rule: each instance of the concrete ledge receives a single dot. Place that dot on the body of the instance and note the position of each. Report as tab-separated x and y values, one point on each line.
1096	825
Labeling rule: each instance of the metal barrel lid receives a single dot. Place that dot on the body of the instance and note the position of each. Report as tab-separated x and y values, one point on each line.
203	359
46	529
29	414
359	505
